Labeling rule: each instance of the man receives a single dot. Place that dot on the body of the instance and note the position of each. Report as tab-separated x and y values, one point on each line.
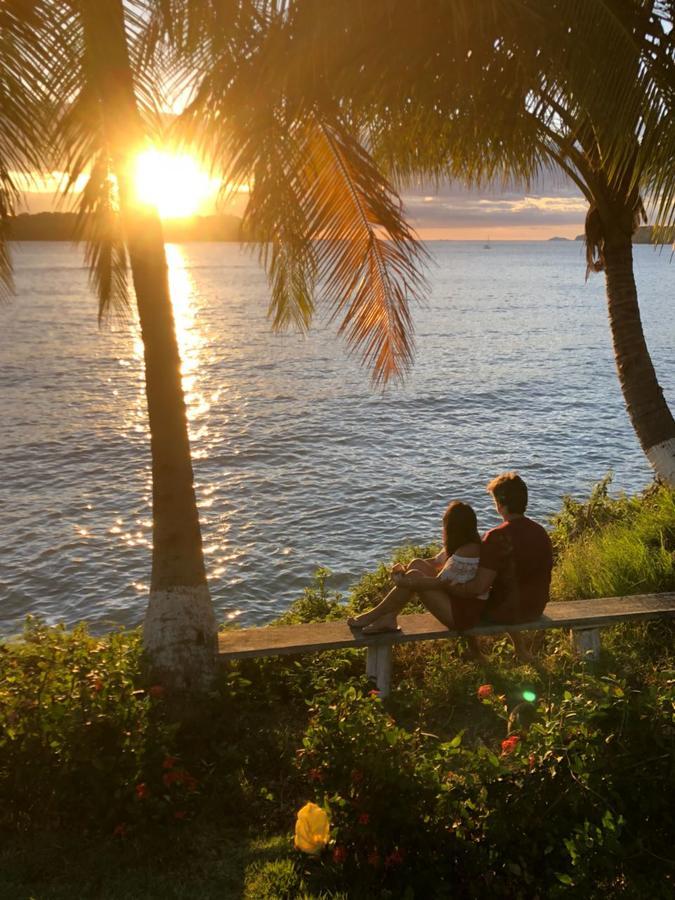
515	564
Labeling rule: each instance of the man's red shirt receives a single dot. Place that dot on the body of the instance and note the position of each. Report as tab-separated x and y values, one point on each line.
520	552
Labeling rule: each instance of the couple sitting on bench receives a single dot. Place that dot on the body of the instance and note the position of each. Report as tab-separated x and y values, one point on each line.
502	579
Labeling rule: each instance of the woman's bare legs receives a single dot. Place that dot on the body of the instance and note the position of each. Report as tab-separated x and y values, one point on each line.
388	608
396	599
437	602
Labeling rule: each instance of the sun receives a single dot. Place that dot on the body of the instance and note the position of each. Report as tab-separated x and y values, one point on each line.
173	183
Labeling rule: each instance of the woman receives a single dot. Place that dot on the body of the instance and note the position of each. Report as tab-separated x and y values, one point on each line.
455	564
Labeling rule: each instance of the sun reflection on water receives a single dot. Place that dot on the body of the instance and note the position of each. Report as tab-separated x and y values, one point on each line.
190	340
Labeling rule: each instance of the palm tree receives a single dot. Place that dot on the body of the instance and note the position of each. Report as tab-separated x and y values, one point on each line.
485	91
106	122
576	139
104	118
97	68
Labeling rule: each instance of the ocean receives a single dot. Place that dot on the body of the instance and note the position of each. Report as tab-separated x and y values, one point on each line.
298	462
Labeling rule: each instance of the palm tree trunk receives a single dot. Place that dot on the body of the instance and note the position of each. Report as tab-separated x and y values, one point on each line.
180	632
652	420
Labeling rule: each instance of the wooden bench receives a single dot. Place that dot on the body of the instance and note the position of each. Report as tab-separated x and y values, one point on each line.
584	618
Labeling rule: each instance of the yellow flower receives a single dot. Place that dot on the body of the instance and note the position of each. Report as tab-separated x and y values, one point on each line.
312	829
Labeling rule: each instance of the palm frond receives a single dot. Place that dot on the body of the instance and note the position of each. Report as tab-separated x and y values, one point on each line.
98	225
24	105
370	263
6	279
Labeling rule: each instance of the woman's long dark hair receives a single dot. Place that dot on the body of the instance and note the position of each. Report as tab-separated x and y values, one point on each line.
460	526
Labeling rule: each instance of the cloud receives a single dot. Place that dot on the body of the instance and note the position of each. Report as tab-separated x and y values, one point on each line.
548	202
527	210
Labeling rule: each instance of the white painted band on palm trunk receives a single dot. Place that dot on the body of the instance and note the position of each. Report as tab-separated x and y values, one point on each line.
662	458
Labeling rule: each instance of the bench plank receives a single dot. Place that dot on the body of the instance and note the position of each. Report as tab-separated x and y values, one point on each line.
279	640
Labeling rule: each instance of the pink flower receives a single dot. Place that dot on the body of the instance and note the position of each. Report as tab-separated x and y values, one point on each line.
375	694
364	818
156	691
315	775
142	791
485	690
339	854
510	744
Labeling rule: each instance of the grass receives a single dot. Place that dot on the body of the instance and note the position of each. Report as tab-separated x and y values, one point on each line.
634	554
209	863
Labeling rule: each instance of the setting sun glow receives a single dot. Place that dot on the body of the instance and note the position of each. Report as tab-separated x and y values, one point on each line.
174	183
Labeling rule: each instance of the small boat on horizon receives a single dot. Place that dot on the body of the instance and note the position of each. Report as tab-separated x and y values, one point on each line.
487	245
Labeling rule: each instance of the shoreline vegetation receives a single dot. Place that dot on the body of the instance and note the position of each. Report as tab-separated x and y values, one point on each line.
103	794
49	226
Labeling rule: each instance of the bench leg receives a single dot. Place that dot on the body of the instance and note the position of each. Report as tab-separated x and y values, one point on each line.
586	643
378	666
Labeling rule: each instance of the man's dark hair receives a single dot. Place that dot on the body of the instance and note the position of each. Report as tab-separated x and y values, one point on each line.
459	526
509	490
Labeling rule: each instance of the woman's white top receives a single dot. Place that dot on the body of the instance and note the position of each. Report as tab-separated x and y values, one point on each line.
460	569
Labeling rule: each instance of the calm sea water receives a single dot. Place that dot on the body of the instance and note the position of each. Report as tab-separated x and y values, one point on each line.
298	463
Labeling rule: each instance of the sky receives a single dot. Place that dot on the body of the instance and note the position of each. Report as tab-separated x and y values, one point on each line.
552	207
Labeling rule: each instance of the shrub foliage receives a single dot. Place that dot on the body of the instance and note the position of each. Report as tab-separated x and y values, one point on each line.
520	782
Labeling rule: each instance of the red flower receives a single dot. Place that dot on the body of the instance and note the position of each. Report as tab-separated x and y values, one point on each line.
142	791
395	858
373	858
364	818
180	776
179	814
315	775
510	744
357	776
120	830
169	762
97	685
156	691
339	854
375	694
485	690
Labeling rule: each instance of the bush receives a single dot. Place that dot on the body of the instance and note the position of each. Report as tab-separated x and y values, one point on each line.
78	738
460	820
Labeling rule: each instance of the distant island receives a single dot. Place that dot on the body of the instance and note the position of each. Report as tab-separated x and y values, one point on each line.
644	235
61	227
559	239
